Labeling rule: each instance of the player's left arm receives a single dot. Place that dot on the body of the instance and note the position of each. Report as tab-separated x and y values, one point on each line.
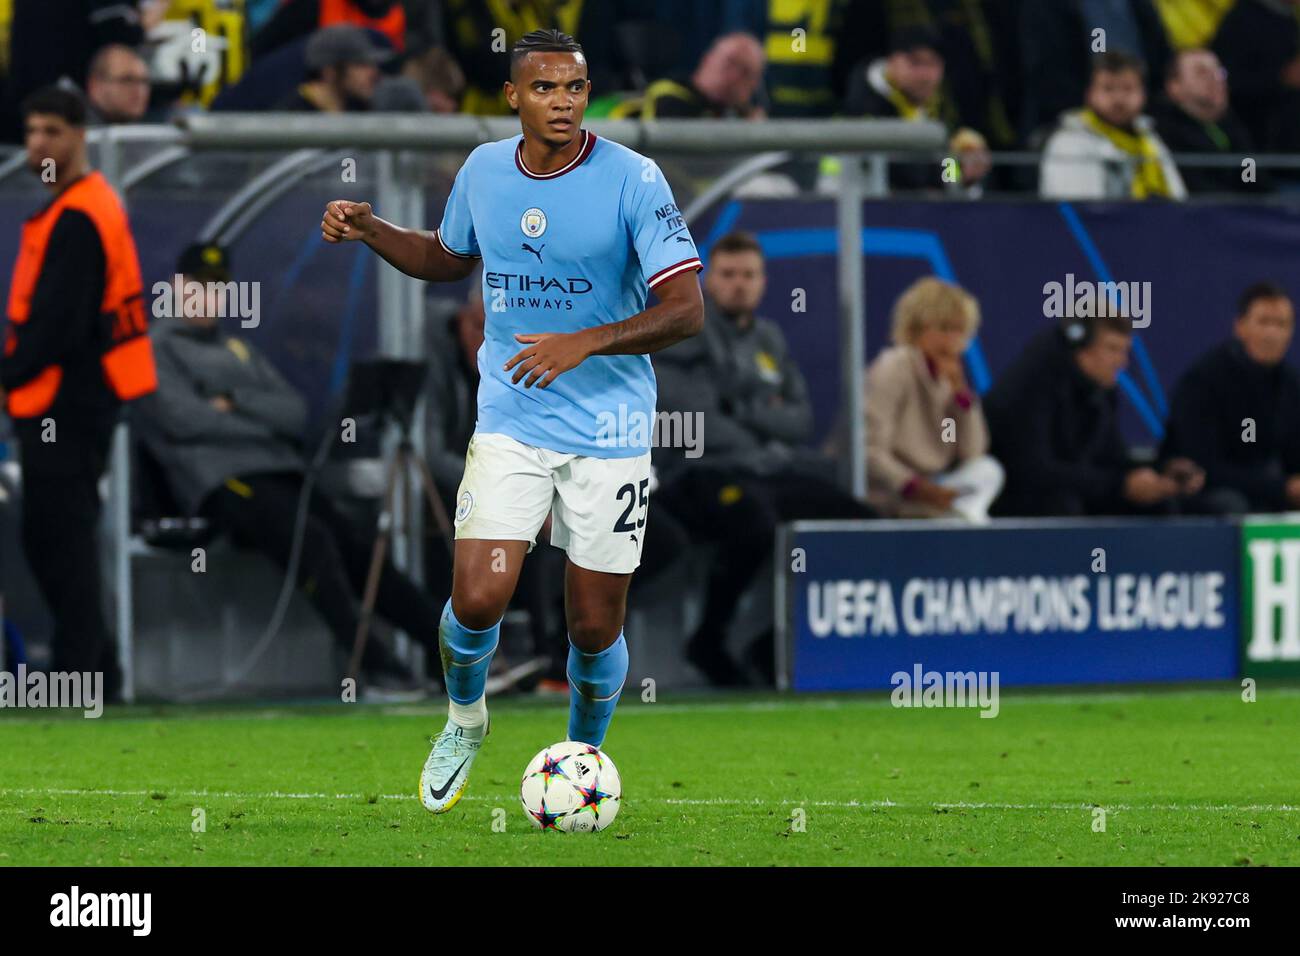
678	315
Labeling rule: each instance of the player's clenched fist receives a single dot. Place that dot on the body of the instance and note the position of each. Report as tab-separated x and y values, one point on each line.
345	220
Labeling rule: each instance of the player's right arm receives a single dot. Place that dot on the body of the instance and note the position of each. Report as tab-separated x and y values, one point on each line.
415	252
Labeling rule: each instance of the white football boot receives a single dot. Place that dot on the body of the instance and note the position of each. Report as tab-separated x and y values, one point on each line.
446	772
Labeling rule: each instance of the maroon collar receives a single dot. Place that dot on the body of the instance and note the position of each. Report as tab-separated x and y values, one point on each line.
588	144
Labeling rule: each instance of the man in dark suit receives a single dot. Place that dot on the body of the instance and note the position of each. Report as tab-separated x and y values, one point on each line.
1054	424
1236	411
1194	116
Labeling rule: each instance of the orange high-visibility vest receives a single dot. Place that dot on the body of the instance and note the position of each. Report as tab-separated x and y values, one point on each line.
125	352
392	24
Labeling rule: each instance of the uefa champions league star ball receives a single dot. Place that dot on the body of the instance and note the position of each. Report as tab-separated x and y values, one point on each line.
571	786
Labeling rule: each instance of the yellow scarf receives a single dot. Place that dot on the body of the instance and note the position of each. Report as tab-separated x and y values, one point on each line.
6	24
1149	173
907	109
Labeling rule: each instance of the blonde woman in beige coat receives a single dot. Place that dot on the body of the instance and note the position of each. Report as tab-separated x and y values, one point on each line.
927	442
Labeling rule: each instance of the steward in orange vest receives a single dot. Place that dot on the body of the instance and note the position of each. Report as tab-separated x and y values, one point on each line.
302	17
76	347
85	226
389	18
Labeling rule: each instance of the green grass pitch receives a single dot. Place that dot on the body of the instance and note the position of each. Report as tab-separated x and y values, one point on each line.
1186	776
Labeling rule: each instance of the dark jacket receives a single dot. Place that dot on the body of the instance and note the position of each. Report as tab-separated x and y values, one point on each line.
296	101
200	447
1184	133
980	47
63	327
677	98
868	95
1055	431
1255	41
750	393
451	397
49	40
467	32
802	82
1207	422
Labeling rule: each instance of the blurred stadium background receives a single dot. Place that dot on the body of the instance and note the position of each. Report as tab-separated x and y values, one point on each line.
821	178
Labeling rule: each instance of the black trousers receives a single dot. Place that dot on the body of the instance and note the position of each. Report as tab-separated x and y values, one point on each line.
258	512
739	513
60	524
1064	503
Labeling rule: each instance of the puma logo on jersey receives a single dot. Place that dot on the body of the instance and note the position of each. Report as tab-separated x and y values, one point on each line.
537	252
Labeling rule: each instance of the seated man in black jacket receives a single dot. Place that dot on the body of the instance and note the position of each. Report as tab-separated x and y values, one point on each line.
752	468
908	84
1236	411
224	426
1194	116
1055	428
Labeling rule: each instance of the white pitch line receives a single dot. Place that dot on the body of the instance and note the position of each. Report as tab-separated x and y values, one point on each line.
871	700
681	801
434	710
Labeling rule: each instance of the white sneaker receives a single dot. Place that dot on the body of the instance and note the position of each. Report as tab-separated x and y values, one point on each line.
446	772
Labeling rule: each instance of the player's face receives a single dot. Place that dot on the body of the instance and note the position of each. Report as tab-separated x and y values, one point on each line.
1265	331
550	92
736	281
1118	98
1105	357
50	137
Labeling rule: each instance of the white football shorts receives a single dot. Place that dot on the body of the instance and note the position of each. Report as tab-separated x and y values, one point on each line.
598	506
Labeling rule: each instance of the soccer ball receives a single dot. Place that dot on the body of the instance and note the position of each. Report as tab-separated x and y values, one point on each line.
571	786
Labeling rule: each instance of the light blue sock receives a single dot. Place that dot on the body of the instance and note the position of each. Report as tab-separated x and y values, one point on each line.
466	655
595	681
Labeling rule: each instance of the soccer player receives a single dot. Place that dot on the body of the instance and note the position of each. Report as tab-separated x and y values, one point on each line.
573	231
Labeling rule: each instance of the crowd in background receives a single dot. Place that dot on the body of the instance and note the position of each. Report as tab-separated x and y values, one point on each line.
1182	76
1044	440
1220	77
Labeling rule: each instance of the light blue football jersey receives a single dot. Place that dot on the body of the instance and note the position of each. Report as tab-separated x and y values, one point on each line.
564	251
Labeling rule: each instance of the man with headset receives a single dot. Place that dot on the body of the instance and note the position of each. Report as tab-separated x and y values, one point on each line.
1054	422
